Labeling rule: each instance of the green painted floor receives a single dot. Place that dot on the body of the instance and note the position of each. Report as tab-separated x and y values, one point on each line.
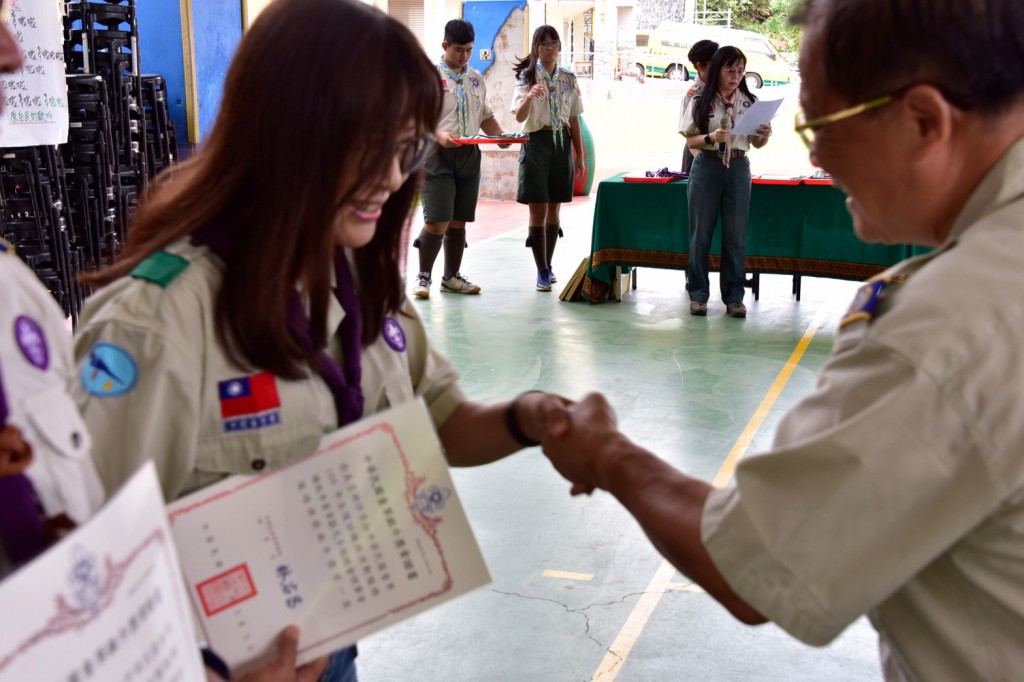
683	387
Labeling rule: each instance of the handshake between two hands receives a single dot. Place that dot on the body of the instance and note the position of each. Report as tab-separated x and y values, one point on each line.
580	438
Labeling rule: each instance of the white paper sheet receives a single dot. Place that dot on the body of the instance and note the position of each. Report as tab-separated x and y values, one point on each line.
760	112
35	97
106	603
365	532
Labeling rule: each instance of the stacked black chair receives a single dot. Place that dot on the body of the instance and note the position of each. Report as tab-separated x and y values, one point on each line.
67	209
161	139
102	38
90	159
35	218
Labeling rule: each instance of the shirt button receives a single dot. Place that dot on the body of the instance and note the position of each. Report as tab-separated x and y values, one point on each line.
259	464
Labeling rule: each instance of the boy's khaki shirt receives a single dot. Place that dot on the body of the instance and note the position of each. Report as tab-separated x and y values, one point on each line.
478	109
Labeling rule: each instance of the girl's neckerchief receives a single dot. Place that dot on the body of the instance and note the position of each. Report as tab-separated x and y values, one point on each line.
730	115
551	81
343	382
22	535
461	104
4	410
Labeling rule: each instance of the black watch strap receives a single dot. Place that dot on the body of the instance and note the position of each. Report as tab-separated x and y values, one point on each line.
512	422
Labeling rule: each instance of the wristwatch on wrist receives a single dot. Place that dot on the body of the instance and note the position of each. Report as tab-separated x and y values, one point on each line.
707	139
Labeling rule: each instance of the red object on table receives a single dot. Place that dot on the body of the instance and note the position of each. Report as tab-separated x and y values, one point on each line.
495	140
776	180
629	177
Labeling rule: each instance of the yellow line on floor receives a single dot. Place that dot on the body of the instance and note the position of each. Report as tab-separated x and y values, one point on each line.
685	587
567	575
630	632
750	430
619	651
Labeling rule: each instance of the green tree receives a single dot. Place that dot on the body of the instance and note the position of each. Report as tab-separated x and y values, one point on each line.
770	17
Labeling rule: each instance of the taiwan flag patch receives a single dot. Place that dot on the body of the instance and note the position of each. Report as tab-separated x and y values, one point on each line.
249	402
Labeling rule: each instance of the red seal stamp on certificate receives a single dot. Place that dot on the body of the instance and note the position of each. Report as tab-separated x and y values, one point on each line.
227	589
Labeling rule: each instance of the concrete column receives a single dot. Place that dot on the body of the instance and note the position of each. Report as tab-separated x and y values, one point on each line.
605	35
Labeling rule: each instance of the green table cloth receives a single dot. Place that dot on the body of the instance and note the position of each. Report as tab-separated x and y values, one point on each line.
793	229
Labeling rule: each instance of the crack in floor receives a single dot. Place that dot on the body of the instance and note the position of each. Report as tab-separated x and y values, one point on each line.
580	611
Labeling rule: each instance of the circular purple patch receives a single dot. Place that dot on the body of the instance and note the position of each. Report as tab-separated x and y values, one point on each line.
394	334
32	342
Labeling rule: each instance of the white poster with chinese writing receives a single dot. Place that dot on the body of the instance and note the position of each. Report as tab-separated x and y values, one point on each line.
365	532
106	603
35	97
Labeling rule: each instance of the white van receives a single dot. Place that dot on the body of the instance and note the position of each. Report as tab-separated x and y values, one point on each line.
668	45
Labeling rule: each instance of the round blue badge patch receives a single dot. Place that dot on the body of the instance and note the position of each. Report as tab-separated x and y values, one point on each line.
394	334
109	371
32	342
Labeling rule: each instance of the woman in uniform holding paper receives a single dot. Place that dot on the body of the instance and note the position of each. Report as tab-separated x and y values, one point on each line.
259	303
719	181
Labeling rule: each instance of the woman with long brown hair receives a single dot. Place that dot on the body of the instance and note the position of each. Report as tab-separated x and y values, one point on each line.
268	267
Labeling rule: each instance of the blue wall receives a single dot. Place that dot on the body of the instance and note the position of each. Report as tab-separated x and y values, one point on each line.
160	53
487	17
218	29
217	26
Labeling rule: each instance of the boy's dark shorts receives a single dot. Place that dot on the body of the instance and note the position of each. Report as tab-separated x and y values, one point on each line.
451	184
545	171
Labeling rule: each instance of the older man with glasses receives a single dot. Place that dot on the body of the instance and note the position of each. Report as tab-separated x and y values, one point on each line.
896	489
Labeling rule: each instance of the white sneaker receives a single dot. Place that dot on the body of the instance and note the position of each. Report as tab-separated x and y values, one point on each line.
459	285
422	288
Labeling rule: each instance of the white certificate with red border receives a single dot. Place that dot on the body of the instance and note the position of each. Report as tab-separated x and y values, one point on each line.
365	532
106	603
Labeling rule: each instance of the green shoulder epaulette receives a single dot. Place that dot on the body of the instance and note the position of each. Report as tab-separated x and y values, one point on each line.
161	268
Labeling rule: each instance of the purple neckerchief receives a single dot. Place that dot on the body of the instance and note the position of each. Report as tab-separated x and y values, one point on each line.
21	524
344	383
4	410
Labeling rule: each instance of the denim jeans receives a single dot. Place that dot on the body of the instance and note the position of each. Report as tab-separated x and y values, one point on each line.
341	667
715	189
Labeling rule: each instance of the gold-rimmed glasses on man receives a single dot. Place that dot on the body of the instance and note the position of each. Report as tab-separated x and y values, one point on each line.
806	128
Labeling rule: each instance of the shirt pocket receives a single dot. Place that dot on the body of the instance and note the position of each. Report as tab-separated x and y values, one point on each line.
62	448
57	423
257	450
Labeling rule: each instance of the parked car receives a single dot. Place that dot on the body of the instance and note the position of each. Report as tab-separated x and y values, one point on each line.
665	49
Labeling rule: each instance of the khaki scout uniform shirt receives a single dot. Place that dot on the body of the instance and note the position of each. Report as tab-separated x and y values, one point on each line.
896	489
173	411
570	102
37	371
687	126
684	122
478	109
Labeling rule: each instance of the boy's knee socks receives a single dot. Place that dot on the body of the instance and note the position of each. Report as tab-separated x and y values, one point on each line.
429	245
454	245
